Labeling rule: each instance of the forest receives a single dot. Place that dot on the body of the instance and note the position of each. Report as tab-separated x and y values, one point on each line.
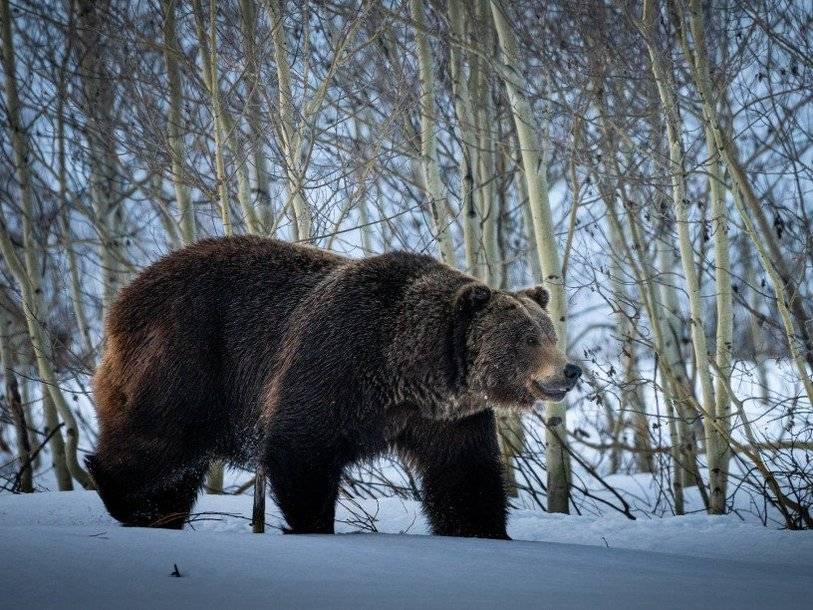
649	162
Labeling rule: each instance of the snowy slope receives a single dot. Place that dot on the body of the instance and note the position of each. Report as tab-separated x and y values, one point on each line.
62	550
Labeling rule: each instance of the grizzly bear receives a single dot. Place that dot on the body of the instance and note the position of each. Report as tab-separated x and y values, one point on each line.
258	352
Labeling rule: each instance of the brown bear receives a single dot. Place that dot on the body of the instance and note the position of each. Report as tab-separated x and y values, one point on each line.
252	350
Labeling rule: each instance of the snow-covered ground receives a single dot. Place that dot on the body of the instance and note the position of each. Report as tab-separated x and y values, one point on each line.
62	550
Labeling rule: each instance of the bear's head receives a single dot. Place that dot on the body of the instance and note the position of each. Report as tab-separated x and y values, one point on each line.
506	347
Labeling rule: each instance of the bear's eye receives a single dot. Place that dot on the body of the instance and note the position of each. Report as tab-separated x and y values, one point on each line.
532	340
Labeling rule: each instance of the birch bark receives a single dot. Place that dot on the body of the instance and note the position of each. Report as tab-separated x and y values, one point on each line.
21	436
680	202
471	210
174	134
261	176
780	272
534	168
431	171
26	272
291	143
224	127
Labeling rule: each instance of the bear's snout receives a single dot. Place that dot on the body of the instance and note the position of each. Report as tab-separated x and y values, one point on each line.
554	388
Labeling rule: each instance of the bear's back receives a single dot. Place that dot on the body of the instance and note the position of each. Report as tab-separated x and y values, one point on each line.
199	282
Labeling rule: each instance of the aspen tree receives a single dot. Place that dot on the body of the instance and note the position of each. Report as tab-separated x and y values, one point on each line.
471	210
725	319
662	306
248	17
681	204
722	266
154	189
754	325
224	127
633	255
532	256
217	116
534	168
364	216
668	312
631	399
97	87
672	355
175	137
484	114
58	446
208	57
773	261
293	133
65	216
26	271
291	142
18	415
431	171
779	291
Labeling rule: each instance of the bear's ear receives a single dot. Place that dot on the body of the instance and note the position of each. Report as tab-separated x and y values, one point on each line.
472	298
538	294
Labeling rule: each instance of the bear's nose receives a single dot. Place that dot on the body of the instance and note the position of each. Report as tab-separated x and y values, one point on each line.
572	372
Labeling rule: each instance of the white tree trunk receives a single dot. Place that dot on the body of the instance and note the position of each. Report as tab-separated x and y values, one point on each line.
654	308
15	407
261	176
669	102
471	211
486	157
177	149
725	323
65	222
431	171
98	105
291	141
27	273
761	233
225	129
534	168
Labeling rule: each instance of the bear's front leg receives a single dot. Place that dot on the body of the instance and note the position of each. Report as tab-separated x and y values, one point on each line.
459	464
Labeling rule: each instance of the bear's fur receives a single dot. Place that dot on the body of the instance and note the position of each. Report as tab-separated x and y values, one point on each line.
252	350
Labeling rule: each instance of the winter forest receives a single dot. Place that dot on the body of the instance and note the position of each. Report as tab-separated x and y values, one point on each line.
649	162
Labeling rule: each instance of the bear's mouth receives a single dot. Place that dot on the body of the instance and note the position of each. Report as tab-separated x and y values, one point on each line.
543	392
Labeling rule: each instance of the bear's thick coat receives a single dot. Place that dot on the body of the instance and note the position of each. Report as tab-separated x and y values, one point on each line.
252	350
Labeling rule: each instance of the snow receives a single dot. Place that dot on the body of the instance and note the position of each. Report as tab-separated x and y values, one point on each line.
62	550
